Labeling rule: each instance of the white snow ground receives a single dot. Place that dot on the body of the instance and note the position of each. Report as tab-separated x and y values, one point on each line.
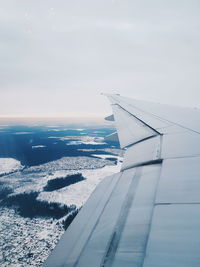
8	165
77	194
26	242
78	140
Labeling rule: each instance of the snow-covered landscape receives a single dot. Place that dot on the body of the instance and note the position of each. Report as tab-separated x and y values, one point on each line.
9	165
34	218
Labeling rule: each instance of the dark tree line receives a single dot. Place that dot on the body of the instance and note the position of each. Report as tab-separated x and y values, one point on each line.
27	205
58	183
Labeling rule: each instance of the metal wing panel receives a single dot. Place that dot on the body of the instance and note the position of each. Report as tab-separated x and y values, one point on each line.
96	253
174	237
181	145
179	181
175	229
130	130
153	121
132	244
155	113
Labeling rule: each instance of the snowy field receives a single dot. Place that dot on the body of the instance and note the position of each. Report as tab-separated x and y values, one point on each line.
28	241
46	174
9	165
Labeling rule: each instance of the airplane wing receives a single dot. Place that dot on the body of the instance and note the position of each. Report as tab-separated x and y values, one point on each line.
148	214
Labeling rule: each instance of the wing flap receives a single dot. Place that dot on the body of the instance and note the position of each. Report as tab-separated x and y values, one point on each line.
141	153
130	129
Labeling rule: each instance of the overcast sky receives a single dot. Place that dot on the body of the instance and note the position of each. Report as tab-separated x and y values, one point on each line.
56	57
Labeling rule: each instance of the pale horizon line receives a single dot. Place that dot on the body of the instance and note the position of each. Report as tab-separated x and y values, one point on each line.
66	116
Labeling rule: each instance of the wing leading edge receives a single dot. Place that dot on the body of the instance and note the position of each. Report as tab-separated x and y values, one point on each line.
149	213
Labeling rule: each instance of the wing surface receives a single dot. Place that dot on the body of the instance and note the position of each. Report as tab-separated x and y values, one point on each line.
149	213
